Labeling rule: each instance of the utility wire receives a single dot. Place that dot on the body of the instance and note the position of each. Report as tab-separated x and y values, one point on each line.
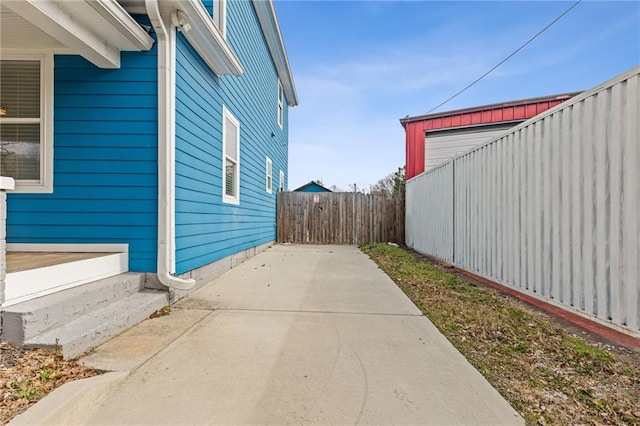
507	58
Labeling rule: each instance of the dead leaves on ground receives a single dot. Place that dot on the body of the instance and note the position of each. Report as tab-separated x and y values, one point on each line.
27	375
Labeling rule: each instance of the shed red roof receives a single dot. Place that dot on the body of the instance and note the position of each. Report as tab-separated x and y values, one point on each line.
505	112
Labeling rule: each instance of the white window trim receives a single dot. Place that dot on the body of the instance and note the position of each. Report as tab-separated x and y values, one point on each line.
268	180
280	105
226	114
220	16
45	184
281	183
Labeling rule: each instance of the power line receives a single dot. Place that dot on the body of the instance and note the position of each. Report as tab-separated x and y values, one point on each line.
507	58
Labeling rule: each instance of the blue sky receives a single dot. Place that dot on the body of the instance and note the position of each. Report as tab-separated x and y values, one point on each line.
359	66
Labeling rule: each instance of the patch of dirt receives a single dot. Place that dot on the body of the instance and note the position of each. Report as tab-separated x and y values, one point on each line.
27	375
550	372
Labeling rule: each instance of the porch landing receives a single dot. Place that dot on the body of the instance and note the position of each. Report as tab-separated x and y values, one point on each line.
22	261
49	269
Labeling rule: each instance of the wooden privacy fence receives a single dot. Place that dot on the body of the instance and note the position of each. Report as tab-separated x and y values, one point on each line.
339	218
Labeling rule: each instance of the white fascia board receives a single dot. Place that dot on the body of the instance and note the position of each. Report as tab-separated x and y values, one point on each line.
120	19
76	28
271	30
206	39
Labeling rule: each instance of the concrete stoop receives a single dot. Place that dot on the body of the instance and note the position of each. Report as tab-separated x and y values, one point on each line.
81	318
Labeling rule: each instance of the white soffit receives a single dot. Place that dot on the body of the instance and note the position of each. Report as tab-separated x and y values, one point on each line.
98	30
17	33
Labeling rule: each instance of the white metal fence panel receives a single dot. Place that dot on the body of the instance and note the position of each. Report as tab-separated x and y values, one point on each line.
552	208
429	213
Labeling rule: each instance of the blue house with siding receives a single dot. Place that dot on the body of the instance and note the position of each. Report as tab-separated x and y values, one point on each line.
312	187
142	141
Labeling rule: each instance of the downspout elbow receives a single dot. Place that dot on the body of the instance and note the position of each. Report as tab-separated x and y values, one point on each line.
172	281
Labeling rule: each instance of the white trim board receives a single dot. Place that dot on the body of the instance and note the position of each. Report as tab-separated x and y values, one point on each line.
69	248
30	284
44	184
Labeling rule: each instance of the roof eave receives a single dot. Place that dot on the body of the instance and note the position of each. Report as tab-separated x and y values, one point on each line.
97	30
520	102
271	30
207	39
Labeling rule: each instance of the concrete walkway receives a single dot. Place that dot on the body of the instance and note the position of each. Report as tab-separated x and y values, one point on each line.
296	335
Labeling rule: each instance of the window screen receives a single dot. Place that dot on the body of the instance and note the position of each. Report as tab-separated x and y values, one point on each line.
231	177
20	124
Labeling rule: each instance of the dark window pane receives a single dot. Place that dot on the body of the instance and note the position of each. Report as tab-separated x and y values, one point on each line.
20	151
230	175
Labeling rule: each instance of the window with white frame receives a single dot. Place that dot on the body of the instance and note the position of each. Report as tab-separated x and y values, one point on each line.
269	175
220	16
230	158
280	105
26	126
281	182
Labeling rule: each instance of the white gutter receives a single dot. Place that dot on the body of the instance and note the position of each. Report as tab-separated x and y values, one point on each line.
120	19
166	149
207	39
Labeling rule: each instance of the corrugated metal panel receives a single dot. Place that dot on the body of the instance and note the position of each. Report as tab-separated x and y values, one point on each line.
429	213
442	147
414	150
552	208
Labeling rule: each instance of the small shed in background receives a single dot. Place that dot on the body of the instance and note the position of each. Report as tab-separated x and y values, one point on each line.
432	139
312	187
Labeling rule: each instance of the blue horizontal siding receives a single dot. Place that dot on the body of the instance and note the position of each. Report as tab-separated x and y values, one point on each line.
105	161
208	4
111	101
207	229
104	126
107	140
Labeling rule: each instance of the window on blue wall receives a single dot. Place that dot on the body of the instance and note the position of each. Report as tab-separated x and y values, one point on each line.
26	145
280	105
281	183
230	158
220	16
269	175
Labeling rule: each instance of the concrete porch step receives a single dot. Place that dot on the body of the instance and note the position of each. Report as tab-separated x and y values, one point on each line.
23	321
94	328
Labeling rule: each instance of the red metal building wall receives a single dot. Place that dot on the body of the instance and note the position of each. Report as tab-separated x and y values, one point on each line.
415	130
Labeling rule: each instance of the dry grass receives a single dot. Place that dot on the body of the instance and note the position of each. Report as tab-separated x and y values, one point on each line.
548	371
27	375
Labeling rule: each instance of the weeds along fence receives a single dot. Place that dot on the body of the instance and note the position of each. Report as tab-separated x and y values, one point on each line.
339	218
551	208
